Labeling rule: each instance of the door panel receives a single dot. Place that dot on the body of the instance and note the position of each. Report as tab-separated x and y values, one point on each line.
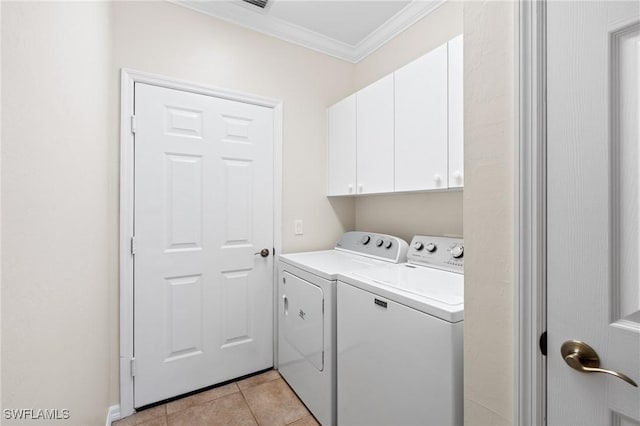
374	140
341	179
593	208
203	207
184	202
421	123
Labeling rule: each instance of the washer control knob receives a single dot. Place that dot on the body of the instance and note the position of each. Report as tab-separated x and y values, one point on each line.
388	244
379	242
457	252
431	247
418	246
365	240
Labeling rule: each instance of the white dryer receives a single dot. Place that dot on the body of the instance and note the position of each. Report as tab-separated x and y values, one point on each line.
307	311
400	331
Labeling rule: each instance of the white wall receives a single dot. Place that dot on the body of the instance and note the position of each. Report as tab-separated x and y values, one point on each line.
488	212
57	260
404	215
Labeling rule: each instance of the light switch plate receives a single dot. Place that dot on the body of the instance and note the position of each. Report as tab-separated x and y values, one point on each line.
298	227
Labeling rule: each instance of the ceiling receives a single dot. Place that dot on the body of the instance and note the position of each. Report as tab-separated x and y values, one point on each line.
346	29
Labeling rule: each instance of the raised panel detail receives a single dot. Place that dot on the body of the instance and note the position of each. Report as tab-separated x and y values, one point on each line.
183	122
237	321
238	179
184	202
618	419
237	128
624	166
184	316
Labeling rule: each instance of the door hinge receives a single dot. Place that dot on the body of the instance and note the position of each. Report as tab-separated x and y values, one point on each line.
133	245
322	357
134	367
543	343
134	124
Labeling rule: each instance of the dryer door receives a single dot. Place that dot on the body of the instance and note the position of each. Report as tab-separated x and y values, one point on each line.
302	320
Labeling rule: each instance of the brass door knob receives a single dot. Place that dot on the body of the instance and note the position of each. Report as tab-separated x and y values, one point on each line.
583	358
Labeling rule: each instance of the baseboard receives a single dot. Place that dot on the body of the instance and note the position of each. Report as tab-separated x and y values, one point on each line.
113	414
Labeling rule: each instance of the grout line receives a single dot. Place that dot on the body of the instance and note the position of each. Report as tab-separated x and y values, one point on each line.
249	406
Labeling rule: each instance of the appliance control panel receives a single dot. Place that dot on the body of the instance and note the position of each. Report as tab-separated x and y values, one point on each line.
379	246
444	253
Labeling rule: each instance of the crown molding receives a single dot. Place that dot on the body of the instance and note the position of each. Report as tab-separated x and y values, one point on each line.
402	20
259	20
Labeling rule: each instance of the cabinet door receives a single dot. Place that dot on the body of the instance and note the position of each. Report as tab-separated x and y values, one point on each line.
342	147
374	152
421	123
456	114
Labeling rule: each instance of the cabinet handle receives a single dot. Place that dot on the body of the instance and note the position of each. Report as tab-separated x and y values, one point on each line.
458	176
350	188
437	179
360	188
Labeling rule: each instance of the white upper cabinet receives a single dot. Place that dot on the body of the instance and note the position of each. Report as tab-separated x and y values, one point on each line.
342	147
405	132
421	123
374	151
456	114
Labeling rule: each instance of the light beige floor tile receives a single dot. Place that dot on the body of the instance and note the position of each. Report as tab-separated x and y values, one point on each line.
306	421
274	403
150	413
259	379
201	398
158	421
127	421
227	410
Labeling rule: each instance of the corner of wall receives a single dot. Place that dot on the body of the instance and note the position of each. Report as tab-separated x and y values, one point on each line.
489	212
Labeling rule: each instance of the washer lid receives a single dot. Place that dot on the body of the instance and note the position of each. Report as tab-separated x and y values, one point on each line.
329	263
432	291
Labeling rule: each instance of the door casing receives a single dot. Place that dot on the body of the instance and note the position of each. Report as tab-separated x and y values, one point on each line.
530	308
128	79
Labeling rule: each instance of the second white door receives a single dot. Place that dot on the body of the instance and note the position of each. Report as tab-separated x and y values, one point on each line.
593	268
203	208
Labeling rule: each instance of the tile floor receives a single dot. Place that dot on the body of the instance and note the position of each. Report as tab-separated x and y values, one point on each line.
264	399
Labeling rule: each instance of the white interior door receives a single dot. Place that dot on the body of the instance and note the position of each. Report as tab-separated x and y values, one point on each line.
203	207
593	184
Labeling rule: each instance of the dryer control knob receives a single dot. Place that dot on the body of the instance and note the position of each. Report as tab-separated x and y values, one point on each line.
431	247
365	240
388	244
457	252
418	246
379	242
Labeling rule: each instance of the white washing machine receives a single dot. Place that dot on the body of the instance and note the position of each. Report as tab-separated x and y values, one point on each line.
307	310
400	334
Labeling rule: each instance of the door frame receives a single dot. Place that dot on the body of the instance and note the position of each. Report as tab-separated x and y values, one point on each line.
128	79
530	167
